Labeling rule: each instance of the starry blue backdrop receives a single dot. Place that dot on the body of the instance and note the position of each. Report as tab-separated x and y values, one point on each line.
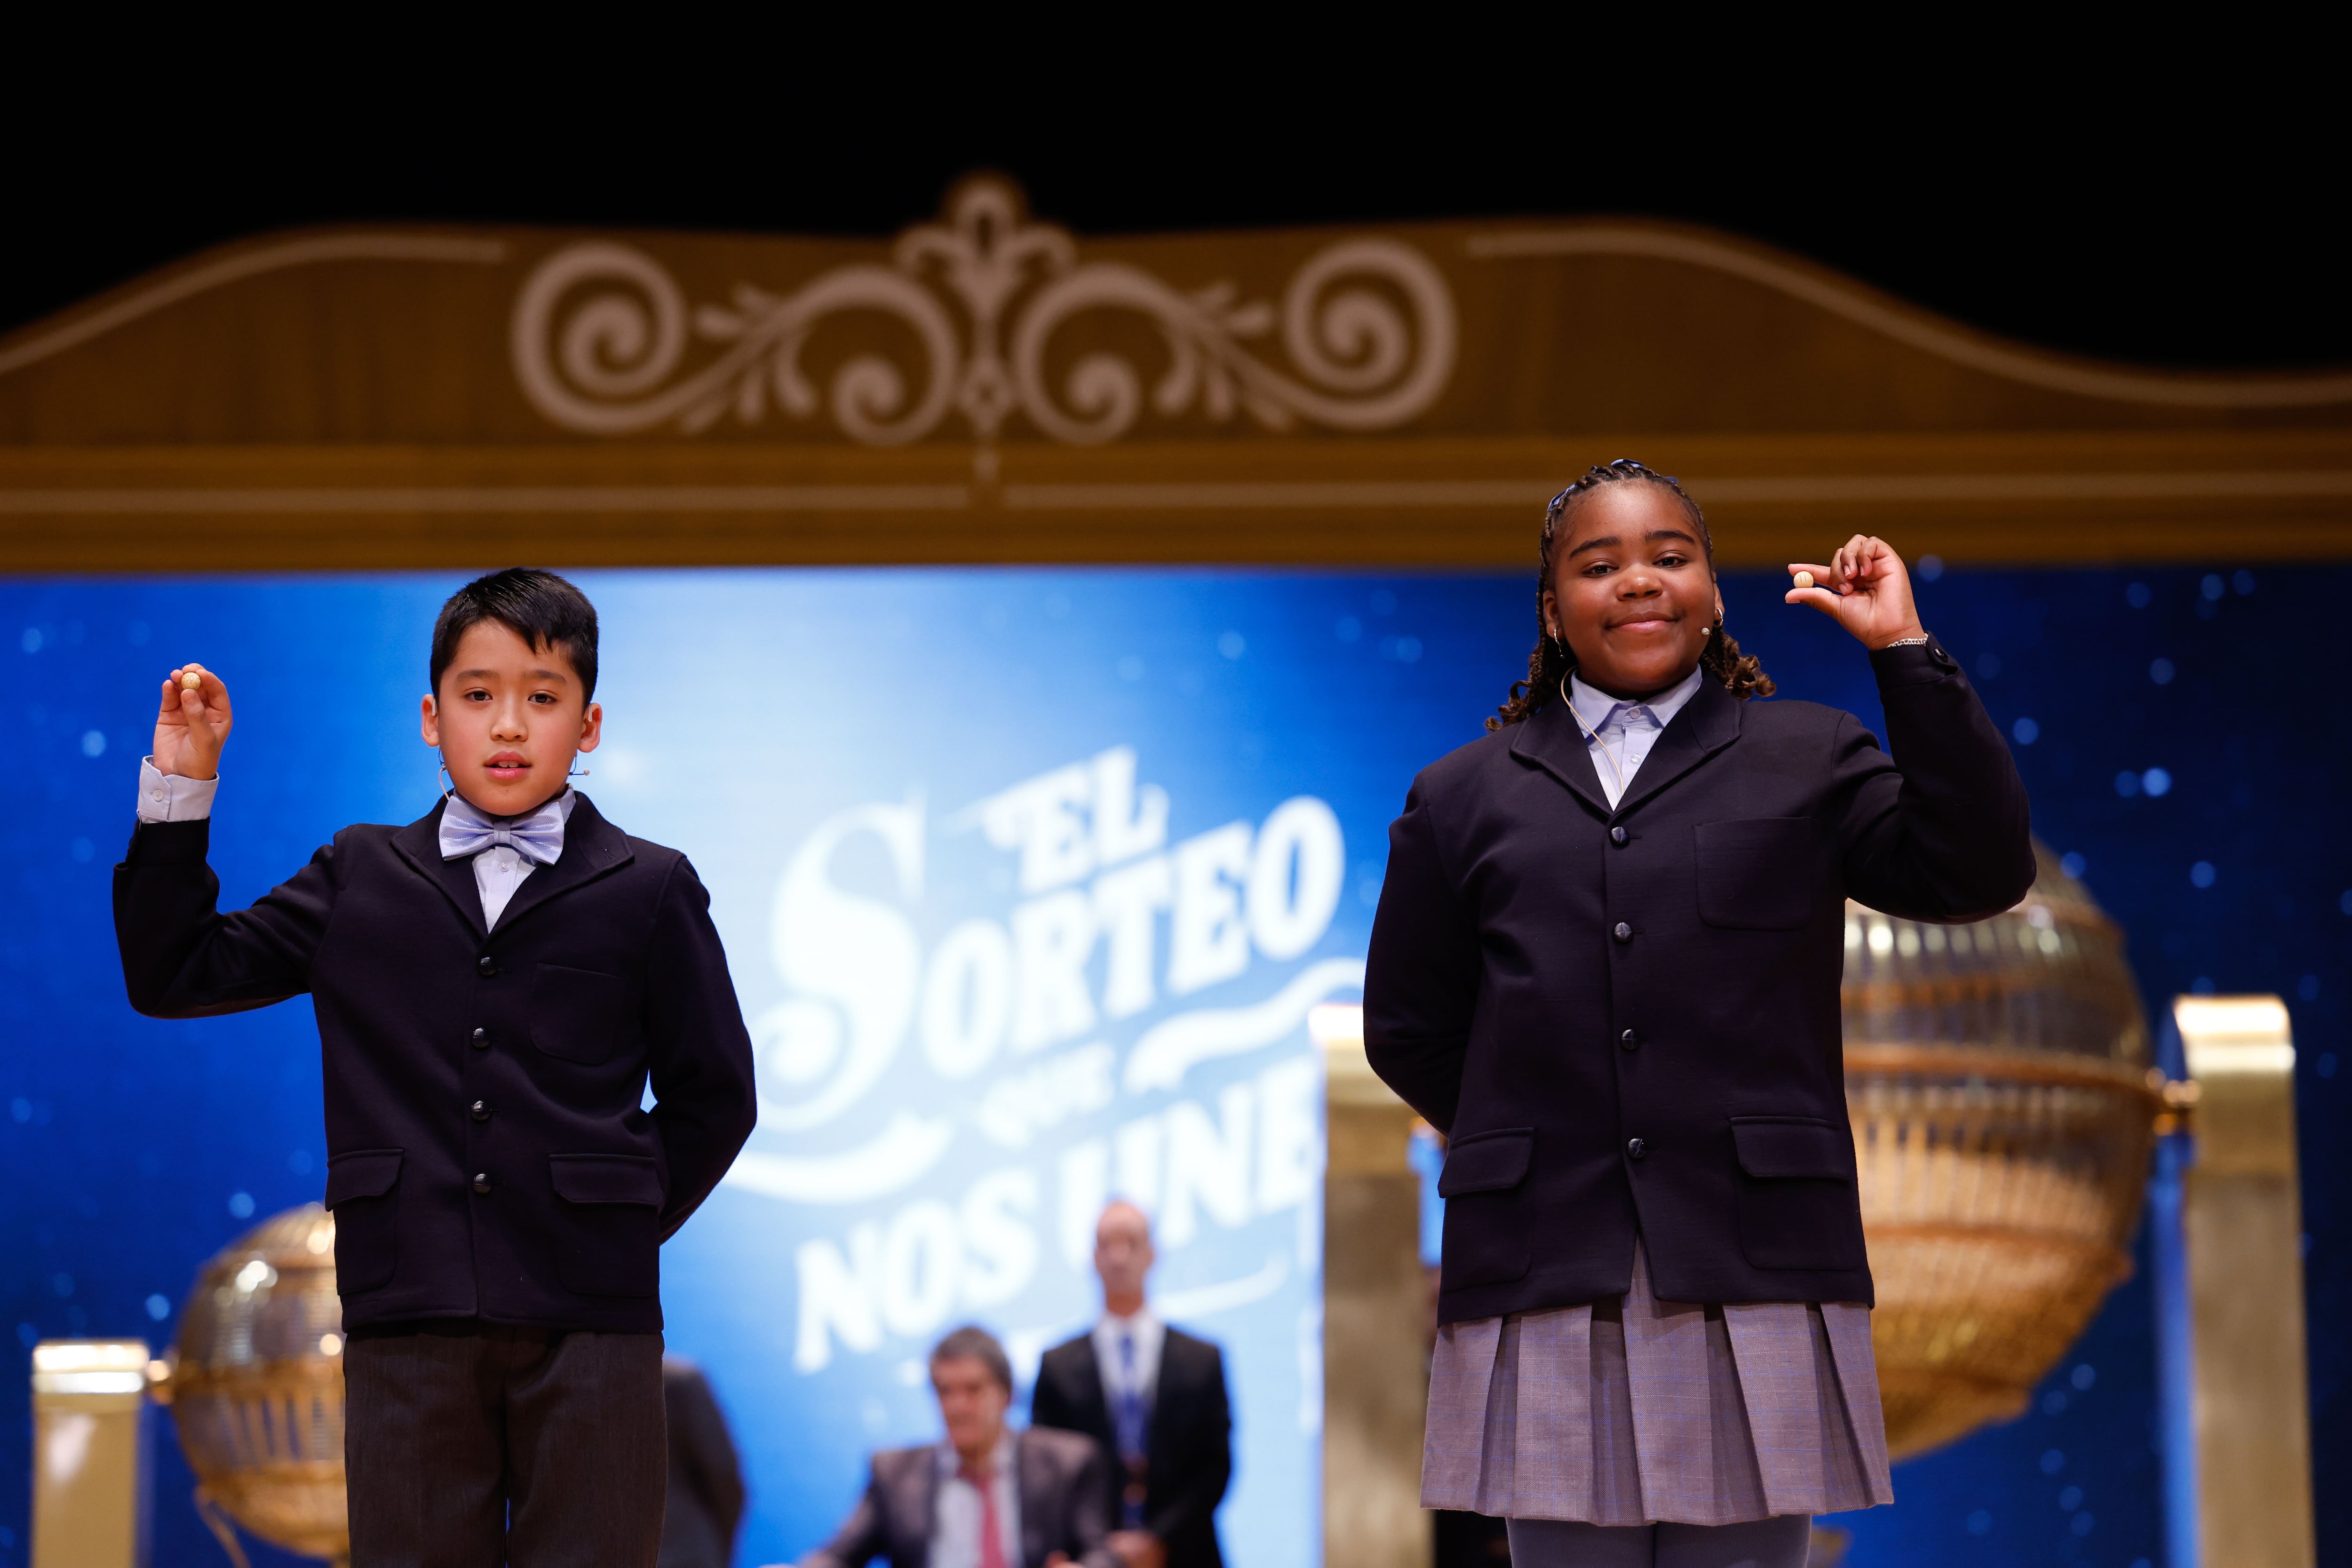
2164	722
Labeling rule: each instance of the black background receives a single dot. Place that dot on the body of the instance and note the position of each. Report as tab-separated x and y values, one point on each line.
2163	199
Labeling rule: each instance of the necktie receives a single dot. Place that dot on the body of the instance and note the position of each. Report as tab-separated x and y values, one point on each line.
1130	1432
982	1480
1130	1399
538	837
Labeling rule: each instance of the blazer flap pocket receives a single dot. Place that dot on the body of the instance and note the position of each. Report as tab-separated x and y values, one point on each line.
578	990
606	1179
362	1174
1773	1147
1486	1162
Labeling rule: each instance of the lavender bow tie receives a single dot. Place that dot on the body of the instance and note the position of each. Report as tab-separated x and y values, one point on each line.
538	837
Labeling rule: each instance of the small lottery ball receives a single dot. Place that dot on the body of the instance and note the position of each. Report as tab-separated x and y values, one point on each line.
1804	579
190	681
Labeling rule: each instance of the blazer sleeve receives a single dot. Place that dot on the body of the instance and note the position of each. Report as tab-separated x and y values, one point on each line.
1192	1506
863	1536
1941	831
1422	972
701	1051
182	958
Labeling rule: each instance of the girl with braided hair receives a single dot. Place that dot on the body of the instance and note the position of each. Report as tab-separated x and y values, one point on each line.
1606	966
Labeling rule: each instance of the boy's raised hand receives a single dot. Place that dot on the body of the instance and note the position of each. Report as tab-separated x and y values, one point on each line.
192	724
1865	588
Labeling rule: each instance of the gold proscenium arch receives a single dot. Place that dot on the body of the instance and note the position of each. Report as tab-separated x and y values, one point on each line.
991	387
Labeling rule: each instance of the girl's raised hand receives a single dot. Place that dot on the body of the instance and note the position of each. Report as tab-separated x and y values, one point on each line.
192	723
1865	589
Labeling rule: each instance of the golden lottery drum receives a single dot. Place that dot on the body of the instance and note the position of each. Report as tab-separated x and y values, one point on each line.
2004	1107
257	1384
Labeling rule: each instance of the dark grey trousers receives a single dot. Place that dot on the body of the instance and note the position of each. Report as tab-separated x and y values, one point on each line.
1779	1542
476	1444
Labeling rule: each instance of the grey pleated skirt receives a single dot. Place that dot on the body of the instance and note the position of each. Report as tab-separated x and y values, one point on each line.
1660	1413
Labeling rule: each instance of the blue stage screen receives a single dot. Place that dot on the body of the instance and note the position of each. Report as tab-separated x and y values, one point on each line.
1029	880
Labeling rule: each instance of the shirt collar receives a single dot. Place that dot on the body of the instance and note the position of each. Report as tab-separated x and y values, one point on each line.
1596	707
1000	1463
561	806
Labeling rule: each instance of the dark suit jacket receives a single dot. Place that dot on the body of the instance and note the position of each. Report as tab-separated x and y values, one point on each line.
705	1501
1059	1482
1188	1445
486	1156
1630	1017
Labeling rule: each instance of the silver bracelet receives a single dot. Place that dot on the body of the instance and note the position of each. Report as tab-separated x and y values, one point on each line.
1904	642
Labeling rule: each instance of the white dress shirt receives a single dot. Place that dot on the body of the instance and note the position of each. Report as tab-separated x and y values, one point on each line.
1619	733
498	870
1147	1333
955	1523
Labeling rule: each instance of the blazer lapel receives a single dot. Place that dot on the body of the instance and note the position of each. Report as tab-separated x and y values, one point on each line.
1035	1494
593	847
419	844
1163	1379
1708	723
1089	1397
918	1500
1553	742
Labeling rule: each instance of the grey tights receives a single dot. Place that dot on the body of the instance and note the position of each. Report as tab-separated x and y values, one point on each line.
1779	1542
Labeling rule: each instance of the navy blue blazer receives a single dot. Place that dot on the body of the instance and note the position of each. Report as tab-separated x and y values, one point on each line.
486	1156
1629	1018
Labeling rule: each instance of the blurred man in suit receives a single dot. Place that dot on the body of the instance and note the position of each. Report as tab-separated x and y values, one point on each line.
987	1496
705	1483
1154	1398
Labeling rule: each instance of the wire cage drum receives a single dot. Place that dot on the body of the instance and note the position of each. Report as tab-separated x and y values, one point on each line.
2004	1108
255	1386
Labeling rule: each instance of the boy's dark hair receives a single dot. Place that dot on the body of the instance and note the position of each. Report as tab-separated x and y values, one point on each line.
537	607
1548	665
972	1342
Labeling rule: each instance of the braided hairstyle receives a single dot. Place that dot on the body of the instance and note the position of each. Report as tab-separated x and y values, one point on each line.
1549	664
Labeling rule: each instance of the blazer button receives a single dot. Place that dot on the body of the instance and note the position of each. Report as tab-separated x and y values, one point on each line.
1617	837
481	1110
482	1178
1635	1149
481	1039
1630	1040
489	965
1621	930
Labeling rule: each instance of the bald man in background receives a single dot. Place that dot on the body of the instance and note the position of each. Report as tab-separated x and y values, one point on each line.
1154	1398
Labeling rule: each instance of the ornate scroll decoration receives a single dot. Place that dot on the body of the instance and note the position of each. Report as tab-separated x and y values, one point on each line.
601	335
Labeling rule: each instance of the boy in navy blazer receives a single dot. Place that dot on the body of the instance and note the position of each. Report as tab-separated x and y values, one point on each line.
494	983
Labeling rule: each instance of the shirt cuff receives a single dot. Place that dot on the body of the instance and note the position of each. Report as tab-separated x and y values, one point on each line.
166	797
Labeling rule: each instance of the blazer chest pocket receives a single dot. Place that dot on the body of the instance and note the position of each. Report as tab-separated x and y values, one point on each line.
577	1013
1485	1236
1760	874
608	1231
1799	1208
363	1194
